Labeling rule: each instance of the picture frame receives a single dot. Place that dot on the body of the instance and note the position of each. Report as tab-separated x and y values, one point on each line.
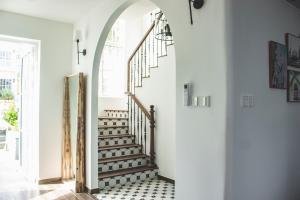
277	65
293	47
293	90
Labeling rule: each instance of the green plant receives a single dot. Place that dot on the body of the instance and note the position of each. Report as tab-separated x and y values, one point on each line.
6	94
11	116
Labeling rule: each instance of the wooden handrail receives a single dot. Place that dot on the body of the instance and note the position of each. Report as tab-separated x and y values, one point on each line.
137	48
140	105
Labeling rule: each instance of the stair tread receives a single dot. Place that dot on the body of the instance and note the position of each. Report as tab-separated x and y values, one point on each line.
121	158
118	147
114	136
110	110
120	118
101	126
122	172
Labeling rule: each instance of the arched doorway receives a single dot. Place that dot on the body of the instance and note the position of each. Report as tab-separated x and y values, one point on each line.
159	49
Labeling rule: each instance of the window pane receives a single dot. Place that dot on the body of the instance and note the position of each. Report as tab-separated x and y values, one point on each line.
112	64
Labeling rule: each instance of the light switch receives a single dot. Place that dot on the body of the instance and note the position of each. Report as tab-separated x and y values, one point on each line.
195	101
204	101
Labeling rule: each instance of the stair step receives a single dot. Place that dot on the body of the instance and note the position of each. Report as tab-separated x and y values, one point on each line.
121	158
123	172
118	147
106	127
119	150
113	121
119	178
109	110
116	113
122	162
120	130
112	140
115	136
112	118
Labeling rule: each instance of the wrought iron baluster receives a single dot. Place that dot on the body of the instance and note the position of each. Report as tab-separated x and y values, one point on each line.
138	68
157	52
145	135
138	125
134	76
145	57
131	132
141	129
128	118
134	112
153	47
149	52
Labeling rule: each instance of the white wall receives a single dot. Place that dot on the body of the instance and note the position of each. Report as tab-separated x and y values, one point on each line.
200	133
56	61
266	138
160	90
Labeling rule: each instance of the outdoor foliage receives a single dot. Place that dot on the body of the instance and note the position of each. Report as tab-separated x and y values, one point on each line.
11	116
6	94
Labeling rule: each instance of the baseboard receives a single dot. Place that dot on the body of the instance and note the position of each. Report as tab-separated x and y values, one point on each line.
166	179
50	180
92	191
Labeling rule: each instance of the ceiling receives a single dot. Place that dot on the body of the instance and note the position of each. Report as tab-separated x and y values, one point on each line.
59	10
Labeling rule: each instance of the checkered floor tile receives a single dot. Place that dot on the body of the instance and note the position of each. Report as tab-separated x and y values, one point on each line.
148	190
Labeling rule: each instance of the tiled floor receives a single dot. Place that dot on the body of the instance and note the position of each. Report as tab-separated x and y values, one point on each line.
150	190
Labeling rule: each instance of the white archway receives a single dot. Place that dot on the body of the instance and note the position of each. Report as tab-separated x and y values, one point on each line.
97	57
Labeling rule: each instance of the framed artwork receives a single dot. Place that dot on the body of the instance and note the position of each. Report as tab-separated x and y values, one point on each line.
277	65
293	46
293	91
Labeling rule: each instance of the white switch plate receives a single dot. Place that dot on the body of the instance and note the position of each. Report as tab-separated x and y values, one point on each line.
204	101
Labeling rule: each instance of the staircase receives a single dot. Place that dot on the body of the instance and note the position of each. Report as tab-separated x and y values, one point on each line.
126	151
120	160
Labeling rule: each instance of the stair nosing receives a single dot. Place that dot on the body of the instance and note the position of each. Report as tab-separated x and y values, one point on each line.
121	158
122	172
114	136
108	110
118	147
101	126
113	118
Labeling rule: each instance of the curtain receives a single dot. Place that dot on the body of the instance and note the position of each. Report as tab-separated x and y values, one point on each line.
67	172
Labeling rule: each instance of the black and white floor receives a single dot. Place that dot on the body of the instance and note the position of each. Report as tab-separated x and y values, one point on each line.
148	190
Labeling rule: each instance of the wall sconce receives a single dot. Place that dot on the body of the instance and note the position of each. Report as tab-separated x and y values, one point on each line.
78	37
197	4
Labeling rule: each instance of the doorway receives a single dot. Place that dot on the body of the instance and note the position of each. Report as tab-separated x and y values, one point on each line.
137	60
19	112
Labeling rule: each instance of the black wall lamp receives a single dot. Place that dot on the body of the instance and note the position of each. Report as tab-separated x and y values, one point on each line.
197	4
78	37
163	30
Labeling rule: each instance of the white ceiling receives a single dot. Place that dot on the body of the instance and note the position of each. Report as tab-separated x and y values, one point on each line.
59	10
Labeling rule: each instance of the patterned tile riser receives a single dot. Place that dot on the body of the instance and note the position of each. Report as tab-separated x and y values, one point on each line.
112	122
112	131
119	152
127	164
119	181
116	114
115	141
